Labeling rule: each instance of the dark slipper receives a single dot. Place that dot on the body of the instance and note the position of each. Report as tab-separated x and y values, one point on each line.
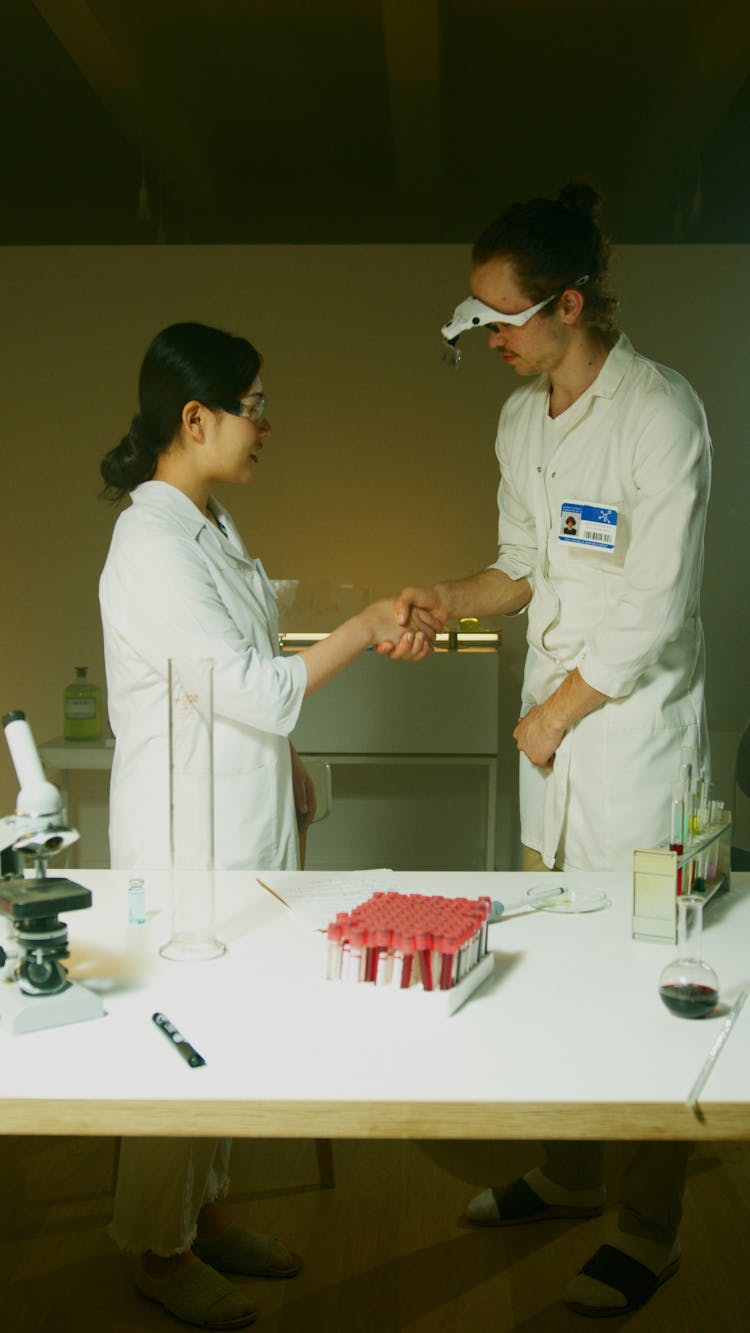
634	1280
519	1203
237	1250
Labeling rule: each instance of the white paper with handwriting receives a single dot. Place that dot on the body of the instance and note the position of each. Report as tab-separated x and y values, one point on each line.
315	899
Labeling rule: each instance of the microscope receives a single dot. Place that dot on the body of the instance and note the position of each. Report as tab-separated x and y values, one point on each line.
39	994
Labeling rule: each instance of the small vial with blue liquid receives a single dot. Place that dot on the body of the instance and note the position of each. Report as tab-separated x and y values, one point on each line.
136	903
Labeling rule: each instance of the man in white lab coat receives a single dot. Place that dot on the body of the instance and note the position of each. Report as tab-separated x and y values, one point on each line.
604	480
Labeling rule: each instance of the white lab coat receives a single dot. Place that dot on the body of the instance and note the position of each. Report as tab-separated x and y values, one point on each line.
637	441
174	586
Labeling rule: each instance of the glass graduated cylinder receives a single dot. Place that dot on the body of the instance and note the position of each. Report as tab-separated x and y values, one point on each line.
191	812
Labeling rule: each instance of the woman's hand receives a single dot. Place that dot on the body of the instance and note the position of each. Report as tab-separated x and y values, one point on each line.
375	627
389	636
422	617
305	800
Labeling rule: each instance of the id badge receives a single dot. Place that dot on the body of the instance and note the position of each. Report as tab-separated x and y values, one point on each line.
588	525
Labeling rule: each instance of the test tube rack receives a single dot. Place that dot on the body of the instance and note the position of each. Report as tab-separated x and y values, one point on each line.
410	952
660	875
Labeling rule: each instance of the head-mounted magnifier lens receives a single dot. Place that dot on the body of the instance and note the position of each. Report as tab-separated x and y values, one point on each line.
474	314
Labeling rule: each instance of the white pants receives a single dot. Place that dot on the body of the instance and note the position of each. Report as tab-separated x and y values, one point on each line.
162	1184
653	1182
654	1179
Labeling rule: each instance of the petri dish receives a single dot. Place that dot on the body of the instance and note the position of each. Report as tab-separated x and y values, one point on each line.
564	900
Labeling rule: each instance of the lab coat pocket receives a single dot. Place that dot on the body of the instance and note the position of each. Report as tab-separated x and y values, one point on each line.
239	748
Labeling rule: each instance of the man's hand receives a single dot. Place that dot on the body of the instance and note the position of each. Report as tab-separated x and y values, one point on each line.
421	609
537	737
540	731
420	612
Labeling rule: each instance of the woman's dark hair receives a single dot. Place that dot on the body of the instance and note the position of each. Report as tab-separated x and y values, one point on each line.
184	362
553	243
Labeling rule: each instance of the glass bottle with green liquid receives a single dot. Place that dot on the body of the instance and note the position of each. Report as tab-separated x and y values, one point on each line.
82	707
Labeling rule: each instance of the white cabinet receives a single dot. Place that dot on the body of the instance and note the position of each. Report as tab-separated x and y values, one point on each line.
413	751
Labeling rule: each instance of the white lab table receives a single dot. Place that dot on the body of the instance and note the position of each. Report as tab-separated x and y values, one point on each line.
568	1038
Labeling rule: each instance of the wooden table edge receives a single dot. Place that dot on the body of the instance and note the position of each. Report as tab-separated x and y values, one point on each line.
376	1120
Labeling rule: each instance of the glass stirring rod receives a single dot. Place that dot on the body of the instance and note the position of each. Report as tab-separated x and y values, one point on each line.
712	1056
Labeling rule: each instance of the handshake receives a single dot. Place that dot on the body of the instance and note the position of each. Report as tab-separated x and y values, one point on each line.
405	630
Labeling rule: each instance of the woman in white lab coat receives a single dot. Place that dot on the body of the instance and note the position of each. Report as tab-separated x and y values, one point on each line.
179	582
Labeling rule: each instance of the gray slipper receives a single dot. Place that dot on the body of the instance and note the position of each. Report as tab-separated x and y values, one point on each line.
511	1205
191	1293
237	1250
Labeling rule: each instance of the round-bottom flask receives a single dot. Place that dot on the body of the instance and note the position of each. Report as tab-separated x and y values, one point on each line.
688	986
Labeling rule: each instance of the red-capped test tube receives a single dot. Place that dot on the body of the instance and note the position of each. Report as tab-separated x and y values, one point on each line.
409	948
383	960
333	961
356	942
448	966
423	940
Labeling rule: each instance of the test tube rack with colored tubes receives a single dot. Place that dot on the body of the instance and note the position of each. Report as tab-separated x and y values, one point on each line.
414	948
695	858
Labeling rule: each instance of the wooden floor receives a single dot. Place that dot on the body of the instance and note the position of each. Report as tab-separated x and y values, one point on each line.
385	1250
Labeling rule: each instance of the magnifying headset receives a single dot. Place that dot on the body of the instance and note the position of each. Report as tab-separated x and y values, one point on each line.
474	314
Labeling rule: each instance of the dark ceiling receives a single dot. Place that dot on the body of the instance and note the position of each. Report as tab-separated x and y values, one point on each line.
348	121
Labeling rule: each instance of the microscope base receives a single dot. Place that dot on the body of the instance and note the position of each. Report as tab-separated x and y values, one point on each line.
21	1013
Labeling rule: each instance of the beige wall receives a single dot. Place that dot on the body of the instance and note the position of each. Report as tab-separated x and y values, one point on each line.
381	466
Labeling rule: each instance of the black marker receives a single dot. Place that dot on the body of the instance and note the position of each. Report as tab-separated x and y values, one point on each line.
182	1046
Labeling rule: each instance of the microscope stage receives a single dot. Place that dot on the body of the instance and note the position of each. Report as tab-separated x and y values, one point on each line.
32	899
